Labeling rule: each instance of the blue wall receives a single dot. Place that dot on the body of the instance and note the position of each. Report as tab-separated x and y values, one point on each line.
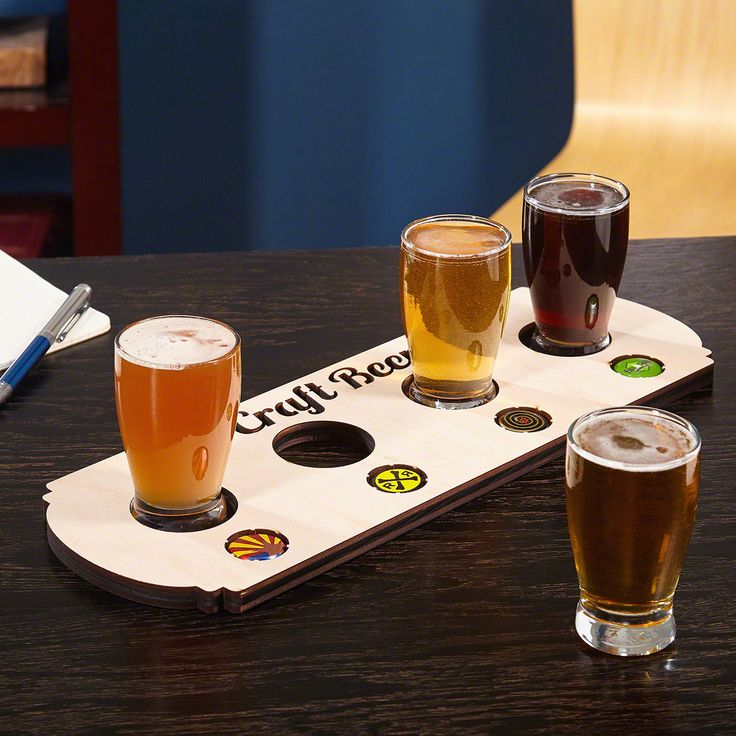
304	124
322	123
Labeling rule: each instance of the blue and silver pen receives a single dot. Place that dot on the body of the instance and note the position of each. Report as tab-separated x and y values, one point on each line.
55	330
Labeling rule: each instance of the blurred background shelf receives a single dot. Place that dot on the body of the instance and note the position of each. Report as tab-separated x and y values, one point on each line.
35	117
77	114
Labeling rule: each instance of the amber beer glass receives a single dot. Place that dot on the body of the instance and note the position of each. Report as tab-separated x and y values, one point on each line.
455	286
177	386
632	478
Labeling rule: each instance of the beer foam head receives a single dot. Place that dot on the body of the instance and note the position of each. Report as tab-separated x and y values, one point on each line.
577	195
649	442
176	342
456	237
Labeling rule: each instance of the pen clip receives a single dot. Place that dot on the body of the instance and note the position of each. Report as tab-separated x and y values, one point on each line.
72	321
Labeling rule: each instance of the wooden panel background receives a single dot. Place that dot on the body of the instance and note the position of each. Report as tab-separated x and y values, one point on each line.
655	107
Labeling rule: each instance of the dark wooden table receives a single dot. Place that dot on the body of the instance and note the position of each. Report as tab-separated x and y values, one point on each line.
463	625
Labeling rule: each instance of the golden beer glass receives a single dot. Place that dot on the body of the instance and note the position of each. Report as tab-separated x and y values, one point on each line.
177	387
455	288
632	476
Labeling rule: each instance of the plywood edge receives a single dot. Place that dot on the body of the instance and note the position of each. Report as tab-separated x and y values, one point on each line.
702	379
430	510
392	528
132	590
239	601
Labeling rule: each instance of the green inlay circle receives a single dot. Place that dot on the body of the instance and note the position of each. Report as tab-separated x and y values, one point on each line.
637	366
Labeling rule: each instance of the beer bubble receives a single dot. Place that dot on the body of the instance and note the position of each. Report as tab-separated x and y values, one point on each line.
574	198
200	460
628	443
634	440
455	238
176	342
582	197
591	311
229	411
475	355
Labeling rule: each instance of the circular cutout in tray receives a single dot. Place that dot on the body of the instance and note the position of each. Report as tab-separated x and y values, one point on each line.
323	444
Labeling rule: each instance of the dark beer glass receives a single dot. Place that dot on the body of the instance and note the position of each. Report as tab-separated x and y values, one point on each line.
632	477
575	232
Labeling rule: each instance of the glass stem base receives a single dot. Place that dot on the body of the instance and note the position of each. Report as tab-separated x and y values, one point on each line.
634	638
186	520
445	403
544	345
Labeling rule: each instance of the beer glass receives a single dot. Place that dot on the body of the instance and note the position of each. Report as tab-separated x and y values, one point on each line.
455	286
632	477
575	230
177	387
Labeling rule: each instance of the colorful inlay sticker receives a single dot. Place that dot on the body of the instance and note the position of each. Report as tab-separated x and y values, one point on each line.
257	544
397	478
637	366
523	419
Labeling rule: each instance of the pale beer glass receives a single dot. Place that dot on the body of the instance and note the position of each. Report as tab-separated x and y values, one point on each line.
632	477
177	387
455	288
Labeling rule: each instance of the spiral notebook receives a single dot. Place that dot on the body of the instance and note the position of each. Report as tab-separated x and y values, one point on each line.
27	302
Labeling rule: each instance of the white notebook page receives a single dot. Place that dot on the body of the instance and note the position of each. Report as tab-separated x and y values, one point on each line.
27	302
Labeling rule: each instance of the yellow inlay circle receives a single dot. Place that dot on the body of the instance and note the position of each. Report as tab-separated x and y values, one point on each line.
397	478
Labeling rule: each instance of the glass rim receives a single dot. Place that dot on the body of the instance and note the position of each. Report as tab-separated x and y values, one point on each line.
496	250
171	366
634	467
583	178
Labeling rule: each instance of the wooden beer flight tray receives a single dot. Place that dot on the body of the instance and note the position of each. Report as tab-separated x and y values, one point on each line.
293	522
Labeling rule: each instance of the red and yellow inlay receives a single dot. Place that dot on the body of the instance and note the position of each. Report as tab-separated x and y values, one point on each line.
257	544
